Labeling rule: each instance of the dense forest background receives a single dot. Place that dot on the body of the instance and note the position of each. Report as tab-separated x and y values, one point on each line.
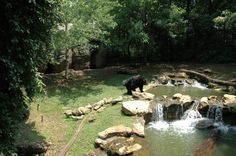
152	30
121	31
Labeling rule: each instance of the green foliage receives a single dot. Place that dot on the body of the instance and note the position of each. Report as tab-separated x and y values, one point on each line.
174	30
82	22
25	34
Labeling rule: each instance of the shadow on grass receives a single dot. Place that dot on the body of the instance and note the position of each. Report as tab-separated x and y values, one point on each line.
68	91
29	141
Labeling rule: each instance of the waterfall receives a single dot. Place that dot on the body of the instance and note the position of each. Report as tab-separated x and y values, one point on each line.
169	83
185	125
215	112
158	113
193	112
180	111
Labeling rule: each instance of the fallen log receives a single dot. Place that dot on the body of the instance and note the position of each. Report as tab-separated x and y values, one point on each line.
206	79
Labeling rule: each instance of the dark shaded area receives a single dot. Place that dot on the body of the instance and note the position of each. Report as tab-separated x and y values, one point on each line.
81	85
29	142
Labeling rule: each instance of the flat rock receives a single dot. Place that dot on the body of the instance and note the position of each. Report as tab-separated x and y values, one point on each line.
182	98
228	99
204	100
119	130
118	145
177	96
143	95
181	75
136	107
185	99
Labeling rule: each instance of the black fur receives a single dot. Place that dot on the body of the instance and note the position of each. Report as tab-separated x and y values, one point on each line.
134	82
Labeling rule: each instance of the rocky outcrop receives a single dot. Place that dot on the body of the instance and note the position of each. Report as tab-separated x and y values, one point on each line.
136	107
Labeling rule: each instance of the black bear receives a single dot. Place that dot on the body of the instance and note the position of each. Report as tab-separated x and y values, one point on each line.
134	82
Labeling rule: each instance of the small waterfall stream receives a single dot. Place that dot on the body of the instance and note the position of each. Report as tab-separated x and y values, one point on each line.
195	84
193	112
215	113
158	113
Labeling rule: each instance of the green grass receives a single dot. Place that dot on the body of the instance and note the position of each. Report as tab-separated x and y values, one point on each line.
92	86
109	117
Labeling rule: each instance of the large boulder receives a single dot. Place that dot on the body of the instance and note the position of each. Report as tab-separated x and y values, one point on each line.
118	145
136	107
163	79
182	98
119	130
138	129
228	99
143	95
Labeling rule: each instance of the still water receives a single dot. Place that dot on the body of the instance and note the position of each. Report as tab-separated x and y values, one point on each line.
192	91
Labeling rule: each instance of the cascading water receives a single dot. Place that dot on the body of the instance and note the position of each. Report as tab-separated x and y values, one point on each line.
215	113
195	84
193	112
158	113
185	125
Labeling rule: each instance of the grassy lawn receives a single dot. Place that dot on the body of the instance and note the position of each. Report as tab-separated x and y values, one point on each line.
81	89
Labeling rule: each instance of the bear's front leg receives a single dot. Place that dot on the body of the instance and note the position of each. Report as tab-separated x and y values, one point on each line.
141	88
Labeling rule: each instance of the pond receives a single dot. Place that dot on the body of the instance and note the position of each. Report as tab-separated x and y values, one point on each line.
198	91
180	137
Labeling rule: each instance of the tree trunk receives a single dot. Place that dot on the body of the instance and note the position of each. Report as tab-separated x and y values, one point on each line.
206	79
67	63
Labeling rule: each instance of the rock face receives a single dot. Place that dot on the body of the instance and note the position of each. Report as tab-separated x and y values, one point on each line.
143	96
136	107
119	130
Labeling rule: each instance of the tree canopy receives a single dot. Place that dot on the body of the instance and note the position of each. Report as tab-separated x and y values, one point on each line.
25	37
